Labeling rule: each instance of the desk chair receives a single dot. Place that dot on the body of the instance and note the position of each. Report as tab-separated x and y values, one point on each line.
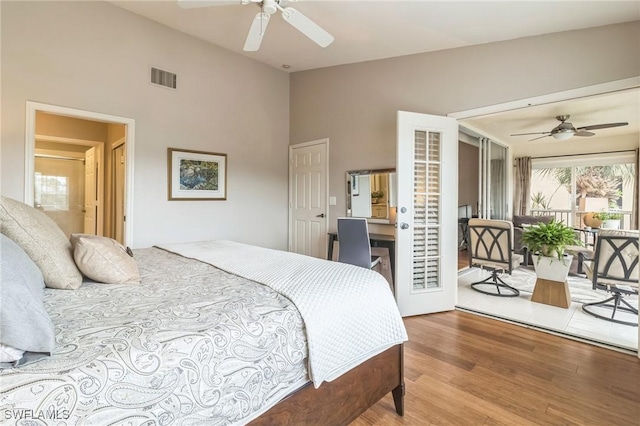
615	270
464	214
355	247
491	248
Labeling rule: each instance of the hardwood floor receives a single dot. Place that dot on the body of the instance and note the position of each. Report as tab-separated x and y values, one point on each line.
463	259
464	369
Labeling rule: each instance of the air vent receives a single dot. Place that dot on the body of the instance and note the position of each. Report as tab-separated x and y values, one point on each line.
163	78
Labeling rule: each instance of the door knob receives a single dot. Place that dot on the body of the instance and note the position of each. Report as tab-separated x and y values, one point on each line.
320	215
404	225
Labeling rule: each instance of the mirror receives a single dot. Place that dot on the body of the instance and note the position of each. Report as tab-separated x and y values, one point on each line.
372	194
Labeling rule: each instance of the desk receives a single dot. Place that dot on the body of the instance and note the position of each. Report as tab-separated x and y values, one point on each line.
377	240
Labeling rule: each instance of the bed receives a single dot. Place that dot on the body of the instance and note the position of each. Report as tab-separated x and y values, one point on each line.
215	333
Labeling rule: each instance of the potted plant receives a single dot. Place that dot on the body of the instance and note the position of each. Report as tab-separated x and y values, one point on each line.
591	221
375	195
609	220
547	243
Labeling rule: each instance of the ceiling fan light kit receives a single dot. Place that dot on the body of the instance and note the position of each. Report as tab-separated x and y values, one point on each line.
565	130
563	135
259	24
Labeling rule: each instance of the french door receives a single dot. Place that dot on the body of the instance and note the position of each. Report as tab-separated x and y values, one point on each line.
426	236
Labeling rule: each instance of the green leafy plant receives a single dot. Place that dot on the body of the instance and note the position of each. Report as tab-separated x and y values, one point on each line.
608	216
539	201
549	239
377	194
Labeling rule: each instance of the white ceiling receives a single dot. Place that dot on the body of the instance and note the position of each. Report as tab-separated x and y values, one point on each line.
369	30
614	107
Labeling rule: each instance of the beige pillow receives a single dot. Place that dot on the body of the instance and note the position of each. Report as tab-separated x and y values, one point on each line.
44	242
104	260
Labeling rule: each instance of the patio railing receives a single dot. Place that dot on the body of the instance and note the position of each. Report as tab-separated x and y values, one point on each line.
576	220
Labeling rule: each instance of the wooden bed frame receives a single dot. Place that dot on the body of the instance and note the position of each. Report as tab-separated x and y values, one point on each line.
341	401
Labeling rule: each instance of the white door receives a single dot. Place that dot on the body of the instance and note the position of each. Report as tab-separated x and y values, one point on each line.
90	192
426	236
118	218
308	198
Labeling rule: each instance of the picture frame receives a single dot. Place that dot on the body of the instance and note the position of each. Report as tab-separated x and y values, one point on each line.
196	175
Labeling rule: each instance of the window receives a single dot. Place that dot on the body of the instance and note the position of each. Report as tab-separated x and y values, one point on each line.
51	192
568	187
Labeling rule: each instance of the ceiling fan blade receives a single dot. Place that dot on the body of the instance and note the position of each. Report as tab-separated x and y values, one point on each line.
535	139
256	32
583	133
307	27
192	4
536	133
602	126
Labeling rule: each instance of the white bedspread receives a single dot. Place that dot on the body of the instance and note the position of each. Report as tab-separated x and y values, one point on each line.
349	312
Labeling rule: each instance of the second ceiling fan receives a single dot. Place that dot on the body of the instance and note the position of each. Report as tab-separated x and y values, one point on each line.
566	130
259	24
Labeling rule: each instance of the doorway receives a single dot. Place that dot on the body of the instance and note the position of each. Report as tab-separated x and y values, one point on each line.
569	322
78	169
308	198
68	184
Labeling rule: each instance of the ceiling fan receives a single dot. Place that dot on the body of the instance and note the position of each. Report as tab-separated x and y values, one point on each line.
259	25
565	130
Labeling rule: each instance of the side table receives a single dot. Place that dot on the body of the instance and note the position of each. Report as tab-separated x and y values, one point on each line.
554	293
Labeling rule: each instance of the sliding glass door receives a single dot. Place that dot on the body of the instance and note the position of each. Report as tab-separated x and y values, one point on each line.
572	186
493	180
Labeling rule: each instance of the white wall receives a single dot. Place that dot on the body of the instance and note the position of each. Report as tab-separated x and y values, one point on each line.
95	56
355	105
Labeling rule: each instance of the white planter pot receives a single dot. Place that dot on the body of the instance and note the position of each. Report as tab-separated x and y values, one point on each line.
552	268
610	224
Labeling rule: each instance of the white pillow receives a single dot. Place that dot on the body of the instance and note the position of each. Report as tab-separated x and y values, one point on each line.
43	241
10	354
104	260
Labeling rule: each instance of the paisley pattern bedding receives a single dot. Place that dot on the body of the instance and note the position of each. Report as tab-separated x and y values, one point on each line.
190	345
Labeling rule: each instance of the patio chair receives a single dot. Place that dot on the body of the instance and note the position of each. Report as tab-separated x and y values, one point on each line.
491	248
614	269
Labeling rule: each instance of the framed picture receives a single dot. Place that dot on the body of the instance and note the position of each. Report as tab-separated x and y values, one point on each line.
197	175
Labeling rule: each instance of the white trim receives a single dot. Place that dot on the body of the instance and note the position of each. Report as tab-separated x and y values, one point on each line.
581	92
472	131
30	143
324	142
569	160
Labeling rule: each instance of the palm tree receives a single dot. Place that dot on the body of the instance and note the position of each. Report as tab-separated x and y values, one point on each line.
592	181
539	201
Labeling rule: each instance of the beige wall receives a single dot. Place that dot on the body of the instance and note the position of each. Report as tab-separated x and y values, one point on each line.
355	105
69	127
96	57
115	132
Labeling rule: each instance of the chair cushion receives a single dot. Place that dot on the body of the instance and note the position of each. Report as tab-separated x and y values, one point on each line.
618	267
516	260
44	242
519	220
